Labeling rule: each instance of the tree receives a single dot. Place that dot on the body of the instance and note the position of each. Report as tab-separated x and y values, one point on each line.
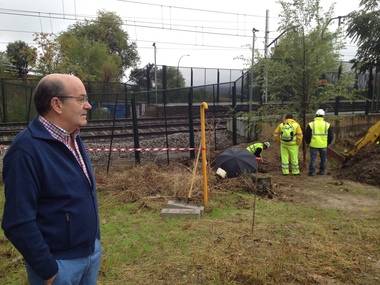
106	31
303	54
174	77
139	76
89	60
22	56
364	29
48	53
4	64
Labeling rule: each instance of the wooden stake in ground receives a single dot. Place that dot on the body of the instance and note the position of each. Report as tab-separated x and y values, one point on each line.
194	174
254	197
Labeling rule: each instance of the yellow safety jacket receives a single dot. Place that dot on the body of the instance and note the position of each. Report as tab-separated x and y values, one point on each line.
253	147
297	135
319	132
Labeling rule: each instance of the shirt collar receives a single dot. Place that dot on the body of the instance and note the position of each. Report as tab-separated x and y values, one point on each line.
56	131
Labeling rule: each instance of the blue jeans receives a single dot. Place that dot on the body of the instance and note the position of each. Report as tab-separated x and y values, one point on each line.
313	157
79	271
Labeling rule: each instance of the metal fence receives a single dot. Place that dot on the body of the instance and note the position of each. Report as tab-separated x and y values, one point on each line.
126	116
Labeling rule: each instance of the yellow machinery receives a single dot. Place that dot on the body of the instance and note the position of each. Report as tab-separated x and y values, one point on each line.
372	136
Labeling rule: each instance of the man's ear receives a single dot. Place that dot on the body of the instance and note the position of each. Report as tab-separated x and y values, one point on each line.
56	105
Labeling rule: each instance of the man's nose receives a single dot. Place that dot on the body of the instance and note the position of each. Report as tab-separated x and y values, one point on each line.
87	106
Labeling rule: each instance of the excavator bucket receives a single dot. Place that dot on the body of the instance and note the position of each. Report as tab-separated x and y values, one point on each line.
338	156
372	135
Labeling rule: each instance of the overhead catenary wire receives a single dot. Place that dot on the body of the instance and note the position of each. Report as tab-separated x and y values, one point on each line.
148	41
74	17
194	9
127	22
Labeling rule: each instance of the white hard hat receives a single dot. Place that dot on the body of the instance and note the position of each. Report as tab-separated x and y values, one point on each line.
267	144
221	172
320	112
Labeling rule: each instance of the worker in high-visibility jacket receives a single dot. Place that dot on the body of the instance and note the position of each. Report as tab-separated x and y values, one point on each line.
318	135
289	134
257	148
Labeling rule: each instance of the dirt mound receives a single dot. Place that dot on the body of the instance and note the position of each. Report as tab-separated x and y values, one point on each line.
363	167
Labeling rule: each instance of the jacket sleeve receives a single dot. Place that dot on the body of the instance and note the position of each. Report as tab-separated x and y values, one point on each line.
258	152
308	134
330	135
299	135
20	211
277	133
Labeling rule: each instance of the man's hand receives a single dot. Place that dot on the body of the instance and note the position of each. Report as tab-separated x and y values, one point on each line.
50	281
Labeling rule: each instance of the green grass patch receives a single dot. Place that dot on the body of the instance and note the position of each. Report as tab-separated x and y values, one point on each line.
291	244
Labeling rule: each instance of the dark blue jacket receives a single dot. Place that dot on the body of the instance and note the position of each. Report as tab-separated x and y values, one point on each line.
50	206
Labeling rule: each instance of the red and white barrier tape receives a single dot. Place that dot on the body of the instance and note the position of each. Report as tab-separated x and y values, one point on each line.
126	149
141	149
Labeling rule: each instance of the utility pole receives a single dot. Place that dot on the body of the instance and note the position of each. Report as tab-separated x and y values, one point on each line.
305	97
179	60
266	56
155	69
340	63
252	75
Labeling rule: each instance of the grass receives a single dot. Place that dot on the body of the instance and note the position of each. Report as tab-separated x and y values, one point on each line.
291	244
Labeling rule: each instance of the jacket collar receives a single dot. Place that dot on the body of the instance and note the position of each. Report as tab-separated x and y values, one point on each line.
289	121
38	131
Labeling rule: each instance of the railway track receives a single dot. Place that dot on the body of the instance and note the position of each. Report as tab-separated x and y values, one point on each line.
123	128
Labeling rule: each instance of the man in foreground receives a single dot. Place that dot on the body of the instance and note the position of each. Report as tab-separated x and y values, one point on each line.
51	212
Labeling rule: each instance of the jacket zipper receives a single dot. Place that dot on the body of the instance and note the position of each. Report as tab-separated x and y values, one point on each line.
68	224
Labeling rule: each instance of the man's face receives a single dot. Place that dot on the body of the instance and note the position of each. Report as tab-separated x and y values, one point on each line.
75	105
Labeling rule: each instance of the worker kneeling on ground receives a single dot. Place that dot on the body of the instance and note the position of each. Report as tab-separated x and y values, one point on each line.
257	148
289	134
318	136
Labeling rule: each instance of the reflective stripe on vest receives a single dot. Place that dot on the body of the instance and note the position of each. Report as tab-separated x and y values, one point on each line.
319	133
252	148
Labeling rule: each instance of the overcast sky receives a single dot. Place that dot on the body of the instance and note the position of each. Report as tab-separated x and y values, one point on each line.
213	49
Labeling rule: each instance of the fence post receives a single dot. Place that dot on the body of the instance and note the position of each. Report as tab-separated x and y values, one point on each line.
336	109
367	106
4	101
90	98
135	129
234	131
29	104
126	100
242	87
148	87
190	114
217	86
112	132
164	86
213	113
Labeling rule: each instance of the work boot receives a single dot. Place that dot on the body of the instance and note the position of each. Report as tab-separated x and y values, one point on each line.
311	174
321	173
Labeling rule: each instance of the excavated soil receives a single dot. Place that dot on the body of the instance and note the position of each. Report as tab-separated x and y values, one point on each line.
364	166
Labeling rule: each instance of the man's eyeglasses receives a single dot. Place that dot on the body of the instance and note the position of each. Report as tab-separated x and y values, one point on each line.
81	99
